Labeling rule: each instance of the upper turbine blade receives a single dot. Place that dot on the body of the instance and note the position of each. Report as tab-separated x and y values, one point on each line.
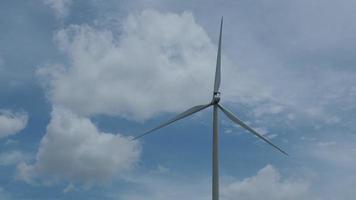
182	115
241	123
218	63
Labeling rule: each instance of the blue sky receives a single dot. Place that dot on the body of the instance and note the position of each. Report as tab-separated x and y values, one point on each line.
79	78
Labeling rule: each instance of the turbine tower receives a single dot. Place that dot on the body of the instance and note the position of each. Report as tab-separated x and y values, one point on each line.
216	106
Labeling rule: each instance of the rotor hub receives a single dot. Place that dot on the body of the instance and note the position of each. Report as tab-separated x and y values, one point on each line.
216	98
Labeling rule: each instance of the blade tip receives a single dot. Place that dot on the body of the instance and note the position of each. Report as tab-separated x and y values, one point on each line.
285	153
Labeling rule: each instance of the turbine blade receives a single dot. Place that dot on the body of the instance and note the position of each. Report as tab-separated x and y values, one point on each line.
218	63
182	115
242	124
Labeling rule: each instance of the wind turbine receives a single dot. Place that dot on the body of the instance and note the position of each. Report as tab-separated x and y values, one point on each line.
216	106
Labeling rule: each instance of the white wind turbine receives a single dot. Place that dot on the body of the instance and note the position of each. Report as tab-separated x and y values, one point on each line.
216	105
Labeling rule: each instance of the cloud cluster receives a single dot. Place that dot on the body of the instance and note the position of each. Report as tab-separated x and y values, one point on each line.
12	122
74	149
164	62
268	185
342	155
333	157
158	63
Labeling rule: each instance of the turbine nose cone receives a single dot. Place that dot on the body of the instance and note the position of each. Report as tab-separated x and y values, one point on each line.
216	98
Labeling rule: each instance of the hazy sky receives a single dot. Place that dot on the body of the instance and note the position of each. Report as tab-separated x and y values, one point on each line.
78	78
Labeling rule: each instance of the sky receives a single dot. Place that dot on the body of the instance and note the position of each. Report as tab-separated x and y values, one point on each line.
80	78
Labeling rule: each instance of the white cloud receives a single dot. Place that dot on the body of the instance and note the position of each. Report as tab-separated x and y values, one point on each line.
159	63
334	162
341	155
60	7
74	150
12	158
12	122
164	62
268	185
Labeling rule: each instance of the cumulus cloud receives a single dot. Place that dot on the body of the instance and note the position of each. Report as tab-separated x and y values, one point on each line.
60	7
74	149
160	62
12	122
164	62
268	185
